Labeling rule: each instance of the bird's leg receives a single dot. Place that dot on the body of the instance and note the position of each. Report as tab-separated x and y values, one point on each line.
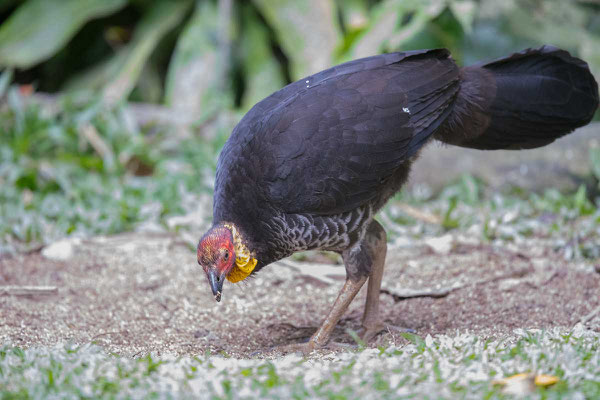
363	260
345	297
321	337
371	324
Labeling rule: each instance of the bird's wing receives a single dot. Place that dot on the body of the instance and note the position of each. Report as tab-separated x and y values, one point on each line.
329	148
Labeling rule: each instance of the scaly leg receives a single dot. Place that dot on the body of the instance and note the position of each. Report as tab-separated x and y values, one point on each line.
321	337
364	259
371	324
345	297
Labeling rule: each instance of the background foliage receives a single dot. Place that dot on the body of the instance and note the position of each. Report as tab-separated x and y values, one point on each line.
183	52
112	111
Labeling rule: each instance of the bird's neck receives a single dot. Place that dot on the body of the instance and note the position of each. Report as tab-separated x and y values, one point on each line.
245	260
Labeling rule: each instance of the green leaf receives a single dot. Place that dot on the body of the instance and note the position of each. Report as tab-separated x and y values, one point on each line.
193	76
307	30
464	12
159	20
414	339
382	23
5	79
470	188
263	73
6	4
449	222
117	76
39	28
595	162
581	202
418	15
392	24
354	335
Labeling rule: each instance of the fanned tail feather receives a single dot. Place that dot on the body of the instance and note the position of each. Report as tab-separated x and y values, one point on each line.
522	101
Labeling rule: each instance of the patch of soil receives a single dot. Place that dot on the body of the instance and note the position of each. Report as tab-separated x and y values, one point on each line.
140	293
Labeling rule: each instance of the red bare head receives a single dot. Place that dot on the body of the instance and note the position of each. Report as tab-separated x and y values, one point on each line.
216	255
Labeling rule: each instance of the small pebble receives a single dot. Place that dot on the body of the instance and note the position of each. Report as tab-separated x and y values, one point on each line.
61	250
201	333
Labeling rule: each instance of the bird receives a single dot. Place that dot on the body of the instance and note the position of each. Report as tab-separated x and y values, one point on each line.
309	166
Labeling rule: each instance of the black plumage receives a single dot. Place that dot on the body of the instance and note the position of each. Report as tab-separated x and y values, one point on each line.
310	165
331	142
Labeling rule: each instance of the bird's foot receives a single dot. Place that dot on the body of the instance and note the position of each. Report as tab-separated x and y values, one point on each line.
310	346
304	348
368	332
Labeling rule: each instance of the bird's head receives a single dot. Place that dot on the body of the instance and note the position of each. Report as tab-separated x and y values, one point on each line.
223	254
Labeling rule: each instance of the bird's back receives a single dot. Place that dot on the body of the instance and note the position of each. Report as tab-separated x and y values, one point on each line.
331	142
309	165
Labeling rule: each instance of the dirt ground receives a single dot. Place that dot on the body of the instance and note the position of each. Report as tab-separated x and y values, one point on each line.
140	293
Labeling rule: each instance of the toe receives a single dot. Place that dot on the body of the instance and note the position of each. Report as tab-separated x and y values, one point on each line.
367	333
304	348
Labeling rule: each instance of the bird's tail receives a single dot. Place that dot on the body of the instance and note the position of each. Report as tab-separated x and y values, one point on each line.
522	101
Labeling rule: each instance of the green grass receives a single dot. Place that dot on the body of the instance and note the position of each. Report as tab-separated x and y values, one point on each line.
571	221
462	366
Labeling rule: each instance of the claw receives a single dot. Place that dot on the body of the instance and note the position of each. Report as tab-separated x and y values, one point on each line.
305	348
368	333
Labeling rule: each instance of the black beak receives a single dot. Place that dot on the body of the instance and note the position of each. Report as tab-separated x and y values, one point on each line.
216	283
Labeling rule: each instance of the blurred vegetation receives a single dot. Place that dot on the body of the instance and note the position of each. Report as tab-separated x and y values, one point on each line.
112	111
193	54
84	172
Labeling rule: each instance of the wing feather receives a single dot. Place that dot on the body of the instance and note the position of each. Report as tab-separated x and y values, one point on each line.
330	147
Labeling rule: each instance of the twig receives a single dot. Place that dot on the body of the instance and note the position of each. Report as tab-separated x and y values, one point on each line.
27	290
538	285
418	214
584	320
413	293
89	132
320	271
411	212
443	292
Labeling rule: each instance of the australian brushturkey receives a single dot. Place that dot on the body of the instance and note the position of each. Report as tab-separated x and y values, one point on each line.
309	166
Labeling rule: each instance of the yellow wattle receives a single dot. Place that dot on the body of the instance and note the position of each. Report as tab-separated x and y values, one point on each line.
243	267
244	262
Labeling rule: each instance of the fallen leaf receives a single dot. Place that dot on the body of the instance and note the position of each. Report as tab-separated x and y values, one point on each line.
524	383
441	244
545	380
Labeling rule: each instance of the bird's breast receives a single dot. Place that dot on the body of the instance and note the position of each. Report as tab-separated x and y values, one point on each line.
290	233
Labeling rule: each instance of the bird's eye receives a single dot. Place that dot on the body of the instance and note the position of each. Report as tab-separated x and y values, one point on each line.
226	255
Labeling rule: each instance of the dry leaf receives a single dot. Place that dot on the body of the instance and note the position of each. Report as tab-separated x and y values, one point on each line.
545	380
524	383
